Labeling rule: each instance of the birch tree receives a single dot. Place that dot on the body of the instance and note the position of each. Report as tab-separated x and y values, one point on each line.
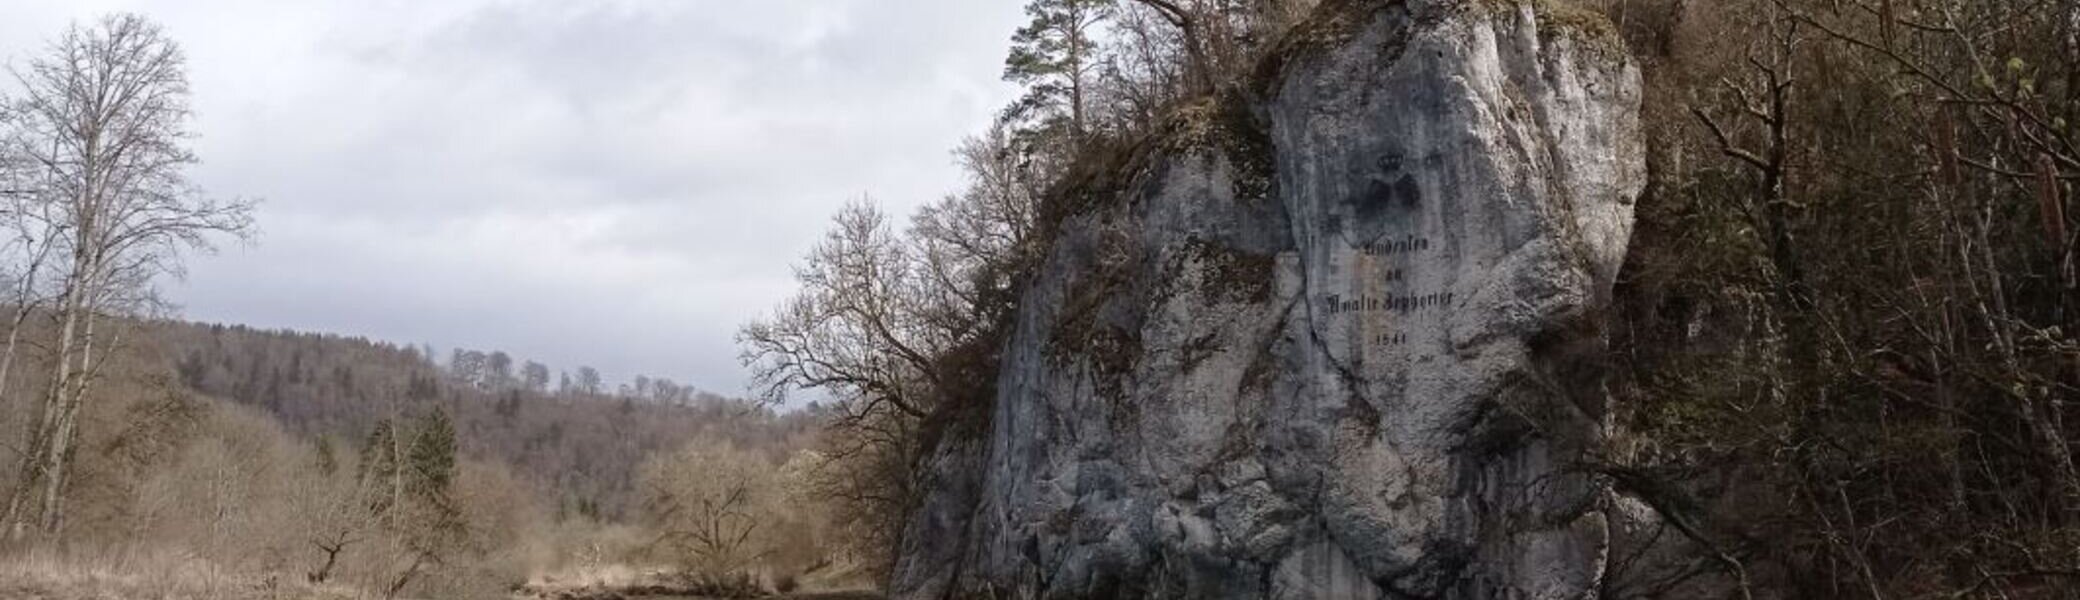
99	134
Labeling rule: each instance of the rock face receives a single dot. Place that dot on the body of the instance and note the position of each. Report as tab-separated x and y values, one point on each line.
1324	343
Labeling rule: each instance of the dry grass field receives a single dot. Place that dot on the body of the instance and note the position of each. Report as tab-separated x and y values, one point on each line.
45	578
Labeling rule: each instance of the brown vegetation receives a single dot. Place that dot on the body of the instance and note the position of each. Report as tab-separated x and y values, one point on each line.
582	442
1850	308
93	166
1848	315
273	463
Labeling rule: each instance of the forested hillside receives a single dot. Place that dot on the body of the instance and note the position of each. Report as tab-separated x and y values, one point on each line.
577	439
1238	298
209	461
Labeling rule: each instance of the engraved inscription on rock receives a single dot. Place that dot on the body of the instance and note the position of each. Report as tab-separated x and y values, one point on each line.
1389	296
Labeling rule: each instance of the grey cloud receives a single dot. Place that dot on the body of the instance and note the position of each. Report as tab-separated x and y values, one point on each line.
609	183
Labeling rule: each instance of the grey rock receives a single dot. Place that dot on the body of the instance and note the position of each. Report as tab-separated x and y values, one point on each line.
1344	366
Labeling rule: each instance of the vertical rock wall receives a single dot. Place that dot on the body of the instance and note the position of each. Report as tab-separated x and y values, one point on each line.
1323	343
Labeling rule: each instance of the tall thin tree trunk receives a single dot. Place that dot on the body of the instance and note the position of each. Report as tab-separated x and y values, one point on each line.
37	462
63	446
1076	52
51	453
31	469
396	473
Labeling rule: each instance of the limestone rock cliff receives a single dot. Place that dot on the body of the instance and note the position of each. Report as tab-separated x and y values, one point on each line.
1320	340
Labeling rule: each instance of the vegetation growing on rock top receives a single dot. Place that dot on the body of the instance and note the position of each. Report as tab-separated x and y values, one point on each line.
1840	356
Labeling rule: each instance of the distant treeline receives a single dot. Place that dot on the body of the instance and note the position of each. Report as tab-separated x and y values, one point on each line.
573	437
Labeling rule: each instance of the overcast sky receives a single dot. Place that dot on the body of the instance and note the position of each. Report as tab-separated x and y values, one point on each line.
608	183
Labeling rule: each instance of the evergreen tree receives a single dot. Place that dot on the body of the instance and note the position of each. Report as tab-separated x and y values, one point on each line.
1054	57
378	471
432	458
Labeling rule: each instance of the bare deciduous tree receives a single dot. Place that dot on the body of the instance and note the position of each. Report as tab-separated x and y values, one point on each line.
101	128
711	506
853	328
535	376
